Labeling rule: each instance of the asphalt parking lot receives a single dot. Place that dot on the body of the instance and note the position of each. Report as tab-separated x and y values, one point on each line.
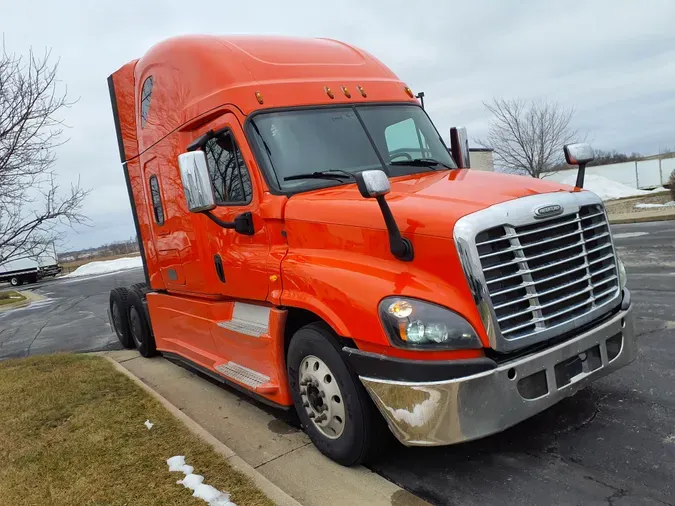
72	317
612	443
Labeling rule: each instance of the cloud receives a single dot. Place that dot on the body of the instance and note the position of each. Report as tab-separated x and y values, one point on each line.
614	61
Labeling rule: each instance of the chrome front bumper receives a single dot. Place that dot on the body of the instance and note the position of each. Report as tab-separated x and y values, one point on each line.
446	412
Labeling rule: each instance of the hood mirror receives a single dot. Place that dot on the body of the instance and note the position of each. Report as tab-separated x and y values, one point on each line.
579	154
374	184
194	174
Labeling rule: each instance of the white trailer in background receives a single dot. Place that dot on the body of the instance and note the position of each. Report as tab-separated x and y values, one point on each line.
29	268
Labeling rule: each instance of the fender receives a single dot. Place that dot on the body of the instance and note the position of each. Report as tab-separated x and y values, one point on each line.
344	287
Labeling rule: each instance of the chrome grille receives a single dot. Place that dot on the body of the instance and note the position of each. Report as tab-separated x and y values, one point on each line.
547	273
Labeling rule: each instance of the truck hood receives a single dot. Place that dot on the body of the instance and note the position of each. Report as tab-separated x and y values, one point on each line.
429	203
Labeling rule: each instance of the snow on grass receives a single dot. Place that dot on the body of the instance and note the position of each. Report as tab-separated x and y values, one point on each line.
195	482
106	266
605	188
655	206
149	424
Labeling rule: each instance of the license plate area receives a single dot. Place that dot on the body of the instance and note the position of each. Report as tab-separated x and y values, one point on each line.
578	366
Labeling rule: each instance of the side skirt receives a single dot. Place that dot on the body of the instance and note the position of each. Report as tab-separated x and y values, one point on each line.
192	365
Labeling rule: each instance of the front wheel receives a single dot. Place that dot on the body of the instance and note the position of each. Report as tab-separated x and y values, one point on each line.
332	405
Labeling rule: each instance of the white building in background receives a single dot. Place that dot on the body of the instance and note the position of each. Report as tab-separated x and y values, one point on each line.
646	173
482	159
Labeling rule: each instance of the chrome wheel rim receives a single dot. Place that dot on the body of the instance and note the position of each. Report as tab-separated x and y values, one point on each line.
321	397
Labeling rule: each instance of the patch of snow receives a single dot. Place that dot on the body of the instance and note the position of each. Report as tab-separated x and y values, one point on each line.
106	266
605	188
176	463
149	424
195	482
649	206
626	235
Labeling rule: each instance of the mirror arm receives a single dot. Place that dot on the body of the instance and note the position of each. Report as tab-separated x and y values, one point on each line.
218	221
242	224
400	246
580	175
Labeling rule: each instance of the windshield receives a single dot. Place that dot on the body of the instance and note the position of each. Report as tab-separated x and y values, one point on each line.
293	143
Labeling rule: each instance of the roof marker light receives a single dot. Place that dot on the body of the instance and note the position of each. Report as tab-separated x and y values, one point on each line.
362	91
329	92
259	96
346	92
409	92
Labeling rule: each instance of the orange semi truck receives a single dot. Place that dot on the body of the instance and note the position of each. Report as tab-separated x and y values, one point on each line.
309	238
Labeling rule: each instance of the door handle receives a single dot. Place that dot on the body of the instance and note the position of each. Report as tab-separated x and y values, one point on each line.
219	267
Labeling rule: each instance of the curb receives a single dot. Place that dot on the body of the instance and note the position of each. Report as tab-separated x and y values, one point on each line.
641	219
273	492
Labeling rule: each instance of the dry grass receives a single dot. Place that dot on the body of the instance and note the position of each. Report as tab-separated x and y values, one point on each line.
10	297
72	432
627	205
69	267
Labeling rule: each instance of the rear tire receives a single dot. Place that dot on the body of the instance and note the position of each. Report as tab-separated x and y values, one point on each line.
119	315
330	388
139	325
15	281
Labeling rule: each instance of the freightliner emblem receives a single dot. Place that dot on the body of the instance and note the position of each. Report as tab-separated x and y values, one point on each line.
548	211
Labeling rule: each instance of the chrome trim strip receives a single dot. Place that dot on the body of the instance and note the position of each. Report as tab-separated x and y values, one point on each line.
517	213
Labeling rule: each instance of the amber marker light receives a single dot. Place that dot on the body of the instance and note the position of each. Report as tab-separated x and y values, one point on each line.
329	92
259	96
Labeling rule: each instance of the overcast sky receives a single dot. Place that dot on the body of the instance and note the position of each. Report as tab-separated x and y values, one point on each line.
613	60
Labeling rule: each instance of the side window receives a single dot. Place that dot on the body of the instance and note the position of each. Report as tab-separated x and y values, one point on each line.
146	93
405	141
158	210
229	176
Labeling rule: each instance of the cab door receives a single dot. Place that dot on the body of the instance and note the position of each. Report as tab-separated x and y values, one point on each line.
237	261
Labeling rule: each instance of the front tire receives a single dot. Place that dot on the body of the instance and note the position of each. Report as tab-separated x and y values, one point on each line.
332	405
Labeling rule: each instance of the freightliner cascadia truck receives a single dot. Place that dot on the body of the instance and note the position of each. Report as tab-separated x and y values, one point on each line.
309	238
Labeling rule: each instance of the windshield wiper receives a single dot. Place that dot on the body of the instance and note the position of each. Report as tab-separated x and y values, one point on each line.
336	174
421	162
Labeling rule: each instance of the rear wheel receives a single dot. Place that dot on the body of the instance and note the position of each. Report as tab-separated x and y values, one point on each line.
139	325
119	312
15	281
332	405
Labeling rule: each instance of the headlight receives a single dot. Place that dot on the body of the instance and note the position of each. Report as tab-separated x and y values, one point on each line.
413	323
622	273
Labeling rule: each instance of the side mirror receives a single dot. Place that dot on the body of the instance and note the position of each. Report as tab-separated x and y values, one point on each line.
579	154
194	174
459	147
372	183
375	184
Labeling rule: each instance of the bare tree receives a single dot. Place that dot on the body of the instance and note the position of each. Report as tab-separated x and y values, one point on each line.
31	203
528	137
